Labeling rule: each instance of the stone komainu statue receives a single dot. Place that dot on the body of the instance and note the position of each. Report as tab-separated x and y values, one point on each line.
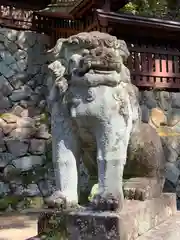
95	110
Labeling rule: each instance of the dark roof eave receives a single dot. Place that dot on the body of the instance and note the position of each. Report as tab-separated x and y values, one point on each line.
55	14
132	20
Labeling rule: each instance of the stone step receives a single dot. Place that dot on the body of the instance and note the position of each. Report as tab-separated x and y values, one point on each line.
168	230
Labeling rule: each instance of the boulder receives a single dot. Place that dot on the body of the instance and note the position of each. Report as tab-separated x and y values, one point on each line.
145	153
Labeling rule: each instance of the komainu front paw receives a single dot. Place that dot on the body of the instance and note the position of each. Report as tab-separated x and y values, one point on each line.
107	202
142	188
59	200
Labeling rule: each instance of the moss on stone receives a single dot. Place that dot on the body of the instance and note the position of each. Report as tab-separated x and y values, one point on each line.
44	118
3	204
8	117
33	202
21	202
11	201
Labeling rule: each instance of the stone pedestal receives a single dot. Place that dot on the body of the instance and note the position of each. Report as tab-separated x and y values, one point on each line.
133	221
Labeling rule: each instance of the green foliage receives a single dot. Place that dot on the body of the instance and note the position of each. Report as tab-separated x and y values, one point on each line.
20	202
94	191
153	8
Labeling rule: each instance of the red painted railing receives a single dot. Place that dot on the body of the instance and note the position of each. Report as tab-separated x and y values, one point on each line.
154	66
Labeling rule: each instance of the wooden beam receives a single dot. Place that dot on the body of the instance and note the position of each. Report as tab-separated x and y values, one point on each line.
131	21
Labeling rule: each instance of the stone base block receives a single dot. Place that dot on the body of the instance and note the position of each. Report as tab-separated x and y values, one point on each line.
168	230
133	221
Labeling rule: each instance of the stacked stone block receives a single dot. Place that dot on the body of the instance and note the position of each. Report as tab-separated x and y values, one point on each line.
24	120
161	109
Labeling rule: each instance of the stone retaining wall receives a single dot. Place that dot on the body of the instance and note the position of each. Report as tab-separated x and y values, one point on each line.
161	109
24	123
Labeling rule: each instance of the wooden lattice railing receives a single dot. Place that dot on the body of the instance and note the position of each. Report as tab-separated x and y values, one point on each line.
154	66
15	18
57	27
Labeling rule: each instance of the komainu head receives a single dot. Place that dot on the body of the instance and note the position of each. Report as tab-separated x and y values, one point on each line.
93	50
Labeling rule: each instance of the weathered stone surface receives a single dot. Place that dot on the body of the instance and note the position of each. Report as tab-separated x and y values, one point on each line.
169	187
17	110
11	46
11	34
9	118
7	57
175	100
2	123
8	128
16	80
5	158
2	47
25	112
171	146
38	79
148	98
145	155
22	65
30	190
5	70
22	133
10	172
168	230
26	163
46	187
35	98
43	132
1	133
4	188
20	54
37	146
20	94
2	145
177	189
17	147
26	103
21	39
5	104
172	173
88	224
5	88
145	113
174	119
